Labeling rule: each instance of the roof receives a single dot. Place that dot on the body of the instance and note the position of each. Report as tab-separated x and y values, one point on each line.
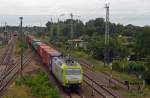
53	52
37	40
44	46
68	61
75	40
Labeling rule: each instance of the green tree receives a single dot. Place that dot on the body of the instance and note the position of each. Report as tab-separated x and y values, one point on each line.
142	43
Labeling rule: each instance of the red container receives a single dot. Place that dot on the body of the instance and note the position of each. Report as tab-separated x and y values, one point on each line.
47	58
41	49
38	49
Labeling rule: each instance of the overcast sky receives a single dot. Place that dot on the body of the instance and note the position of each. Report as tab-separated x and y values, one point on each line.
38	12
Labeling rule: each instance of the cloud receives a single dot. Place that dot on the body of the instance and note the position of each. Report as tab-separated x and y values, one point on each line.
121	11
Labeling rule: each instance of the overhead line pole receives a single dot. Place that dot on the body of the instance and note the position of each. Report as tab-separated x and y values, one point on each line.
51	29
58	29
21	18
5	34
72	34
106	35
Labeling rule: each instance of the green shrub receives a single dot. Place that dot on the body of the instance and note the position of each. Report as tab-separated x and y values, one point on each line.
136	66
120	65
39	85
130	66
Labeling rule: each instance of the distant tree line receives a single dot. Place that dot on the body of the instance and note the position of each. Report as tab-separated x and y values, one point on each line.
93	32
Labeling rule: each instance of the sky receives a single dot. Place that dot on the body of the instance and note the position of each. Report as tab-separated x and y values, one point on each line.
38	12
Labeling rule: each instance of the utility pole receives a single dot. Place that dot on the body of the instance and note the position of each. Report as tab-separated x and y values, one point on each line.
51	29
106	54
58	29
72	34
21	33
6	34
71	25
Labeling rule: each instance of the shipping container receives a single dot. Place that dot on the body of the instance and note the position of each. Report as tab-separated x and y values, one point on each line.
50	54
41	49
47	56
38	49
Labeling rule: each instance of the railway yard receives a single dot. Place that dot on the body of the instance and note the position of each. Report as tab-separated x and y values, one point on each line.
72	59
95	84
74	49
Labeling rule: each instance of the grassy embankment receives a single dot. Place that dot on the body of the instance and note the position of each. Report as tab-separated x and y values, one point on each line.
33	86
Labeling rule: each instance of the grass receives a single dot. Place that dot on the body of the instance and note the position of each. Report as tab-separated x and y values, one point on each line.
1	46
43	38
32	86
18	47
16	91
136	94
39	85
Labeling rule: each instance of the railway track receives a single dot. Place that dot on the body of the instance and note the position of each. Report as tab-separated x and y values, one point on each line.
96	85
113	80
6	60
99	88
13	72
73	95
76	94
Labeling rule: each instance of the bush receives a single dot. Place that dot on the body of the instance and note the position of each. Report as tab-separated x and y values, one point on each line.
147	73
39	85
131	67
120	65
136	67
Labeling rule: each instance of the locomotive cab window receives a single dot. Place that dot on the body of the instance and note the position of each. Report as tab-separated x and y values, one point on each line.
73	71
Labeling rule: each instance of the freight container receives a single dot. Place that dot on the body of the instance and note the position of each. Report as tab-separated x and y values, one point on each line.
38	49
45	52
41	49
50	54
47	56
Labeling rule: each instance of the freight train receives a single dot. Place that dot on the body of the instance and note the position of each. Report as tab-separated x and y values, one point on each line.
68	72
